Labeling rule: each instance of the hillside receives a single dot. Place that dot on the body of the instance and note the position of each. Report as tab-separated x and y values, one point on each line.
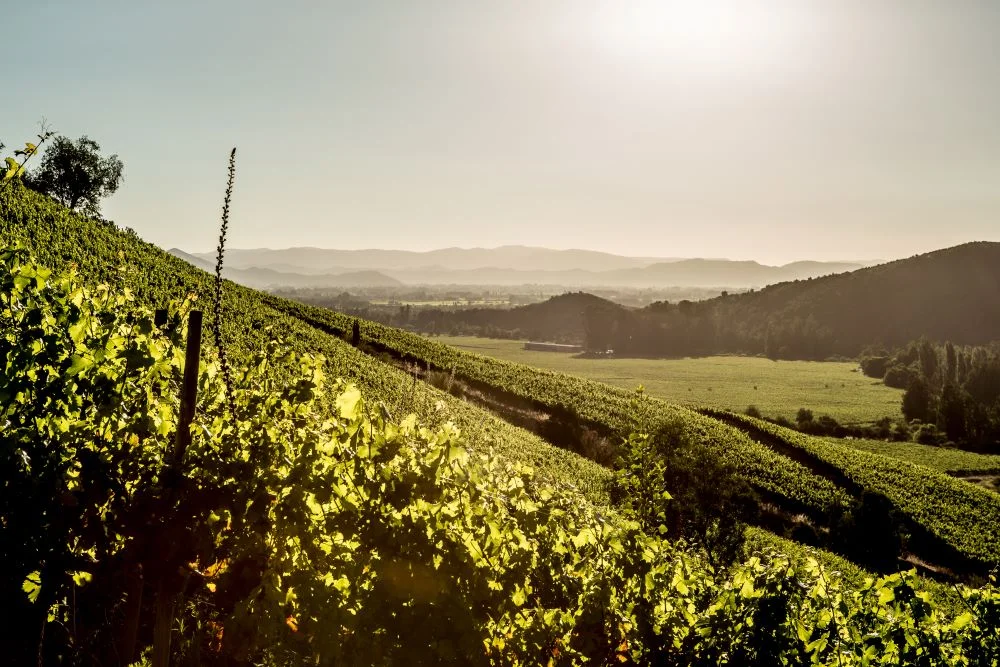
57	238
538	558
950	294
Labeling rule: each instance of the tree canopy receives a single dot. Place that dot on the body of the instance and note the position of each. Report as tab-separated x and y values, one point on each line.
76	175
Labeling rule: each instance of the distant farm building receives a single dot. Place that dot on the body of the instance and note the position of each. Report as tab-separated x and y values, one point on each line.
553	347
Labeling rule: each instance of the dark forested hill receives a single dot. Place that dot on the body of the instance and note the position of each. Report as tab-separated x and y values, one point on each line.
561	319
951	294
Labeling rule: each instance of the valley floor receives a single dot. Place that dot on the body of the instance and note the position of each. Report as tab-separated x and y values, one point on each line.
776	388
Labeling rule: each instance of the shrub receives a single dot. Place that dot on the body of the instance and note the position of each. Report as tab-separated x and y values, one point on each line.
928	434
672	481
870	533
899	376
439	379
875	367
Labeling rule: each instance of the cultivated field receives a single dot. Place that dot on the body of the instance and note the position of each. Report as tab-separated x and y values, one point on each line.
777	388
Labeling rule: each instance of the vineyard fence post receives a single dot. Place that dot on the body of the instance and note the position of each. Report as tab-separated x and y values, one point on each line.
165	602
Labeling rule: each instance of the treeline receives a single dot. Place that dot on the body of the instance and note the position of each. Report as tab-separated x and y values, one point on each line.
691	328
952	391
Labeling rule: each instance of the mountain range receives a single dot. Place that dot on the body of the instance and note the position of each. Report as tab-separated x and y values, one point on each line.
506	265
264	277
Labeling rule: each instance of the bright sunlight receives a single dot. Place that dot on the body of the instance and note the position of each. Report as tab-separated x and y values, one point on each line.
701	35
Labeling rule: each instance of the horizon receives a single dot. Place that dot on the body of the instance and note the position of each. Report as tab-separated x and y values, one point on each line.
770	132
868	261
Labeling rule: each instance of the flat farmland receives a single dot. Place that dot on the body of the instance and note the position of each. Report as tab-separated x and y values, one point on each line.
777	388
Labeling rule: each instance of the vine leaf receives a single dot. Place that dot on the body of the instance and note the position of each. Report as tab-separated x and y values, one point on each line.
32	585
348	403
13	169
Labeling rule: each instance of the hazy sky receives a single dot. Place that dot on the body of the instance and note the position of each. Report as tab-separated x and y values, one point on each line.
769	130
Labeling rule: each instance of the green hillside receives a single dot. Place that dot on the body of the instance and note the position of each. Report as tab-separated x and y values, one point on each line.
102	253
572	578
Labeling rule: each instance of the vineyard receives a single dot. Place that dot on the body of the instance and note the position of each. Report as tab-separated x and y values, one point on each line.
962	517
956	521
956	462
339	509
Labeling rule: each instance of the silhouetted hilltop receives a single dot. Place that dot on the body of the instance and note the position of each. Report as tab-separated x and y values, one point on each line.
559	319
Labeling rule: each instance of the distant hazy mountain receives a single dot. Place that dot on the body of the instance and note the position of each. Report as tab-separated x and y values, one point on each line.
262	278
516	257
522	265
202	263
721	272
680	273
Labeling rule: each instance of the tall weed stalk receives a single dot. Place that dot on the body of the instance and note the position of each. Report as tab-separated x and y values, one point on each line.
217	311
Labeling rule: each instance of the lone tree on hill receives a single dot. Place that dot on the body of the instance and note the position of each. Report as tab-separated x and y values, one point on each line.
74	174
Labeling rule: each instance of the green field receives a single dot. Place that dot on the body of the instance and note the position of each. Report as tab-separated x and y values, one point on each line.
777	388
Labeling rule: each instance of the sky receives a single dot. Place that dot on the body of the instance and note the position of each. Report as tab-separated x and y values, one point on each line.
773	130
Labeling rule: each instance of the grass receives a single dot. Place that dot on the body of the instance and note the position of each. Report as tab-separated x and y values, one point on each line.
777	388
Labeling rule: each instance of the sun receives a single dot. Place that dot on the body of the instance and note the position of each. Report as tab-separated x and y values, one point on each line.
699	35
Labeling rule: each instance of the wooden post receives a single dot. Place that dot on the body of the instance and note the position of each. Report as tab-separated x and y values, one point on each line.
189	388
166	593
133	611
163	626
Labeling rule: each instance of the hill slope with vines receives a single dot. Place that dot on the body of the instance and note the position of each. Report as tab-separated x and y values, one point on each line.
150	278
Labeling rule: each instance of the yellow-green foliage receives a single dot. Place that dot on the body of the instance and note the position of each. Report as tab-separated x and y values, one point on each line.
310	527
103	253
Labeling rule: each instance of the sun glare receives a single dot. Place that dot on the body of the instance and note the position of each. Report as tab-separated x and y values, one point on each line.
698	34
